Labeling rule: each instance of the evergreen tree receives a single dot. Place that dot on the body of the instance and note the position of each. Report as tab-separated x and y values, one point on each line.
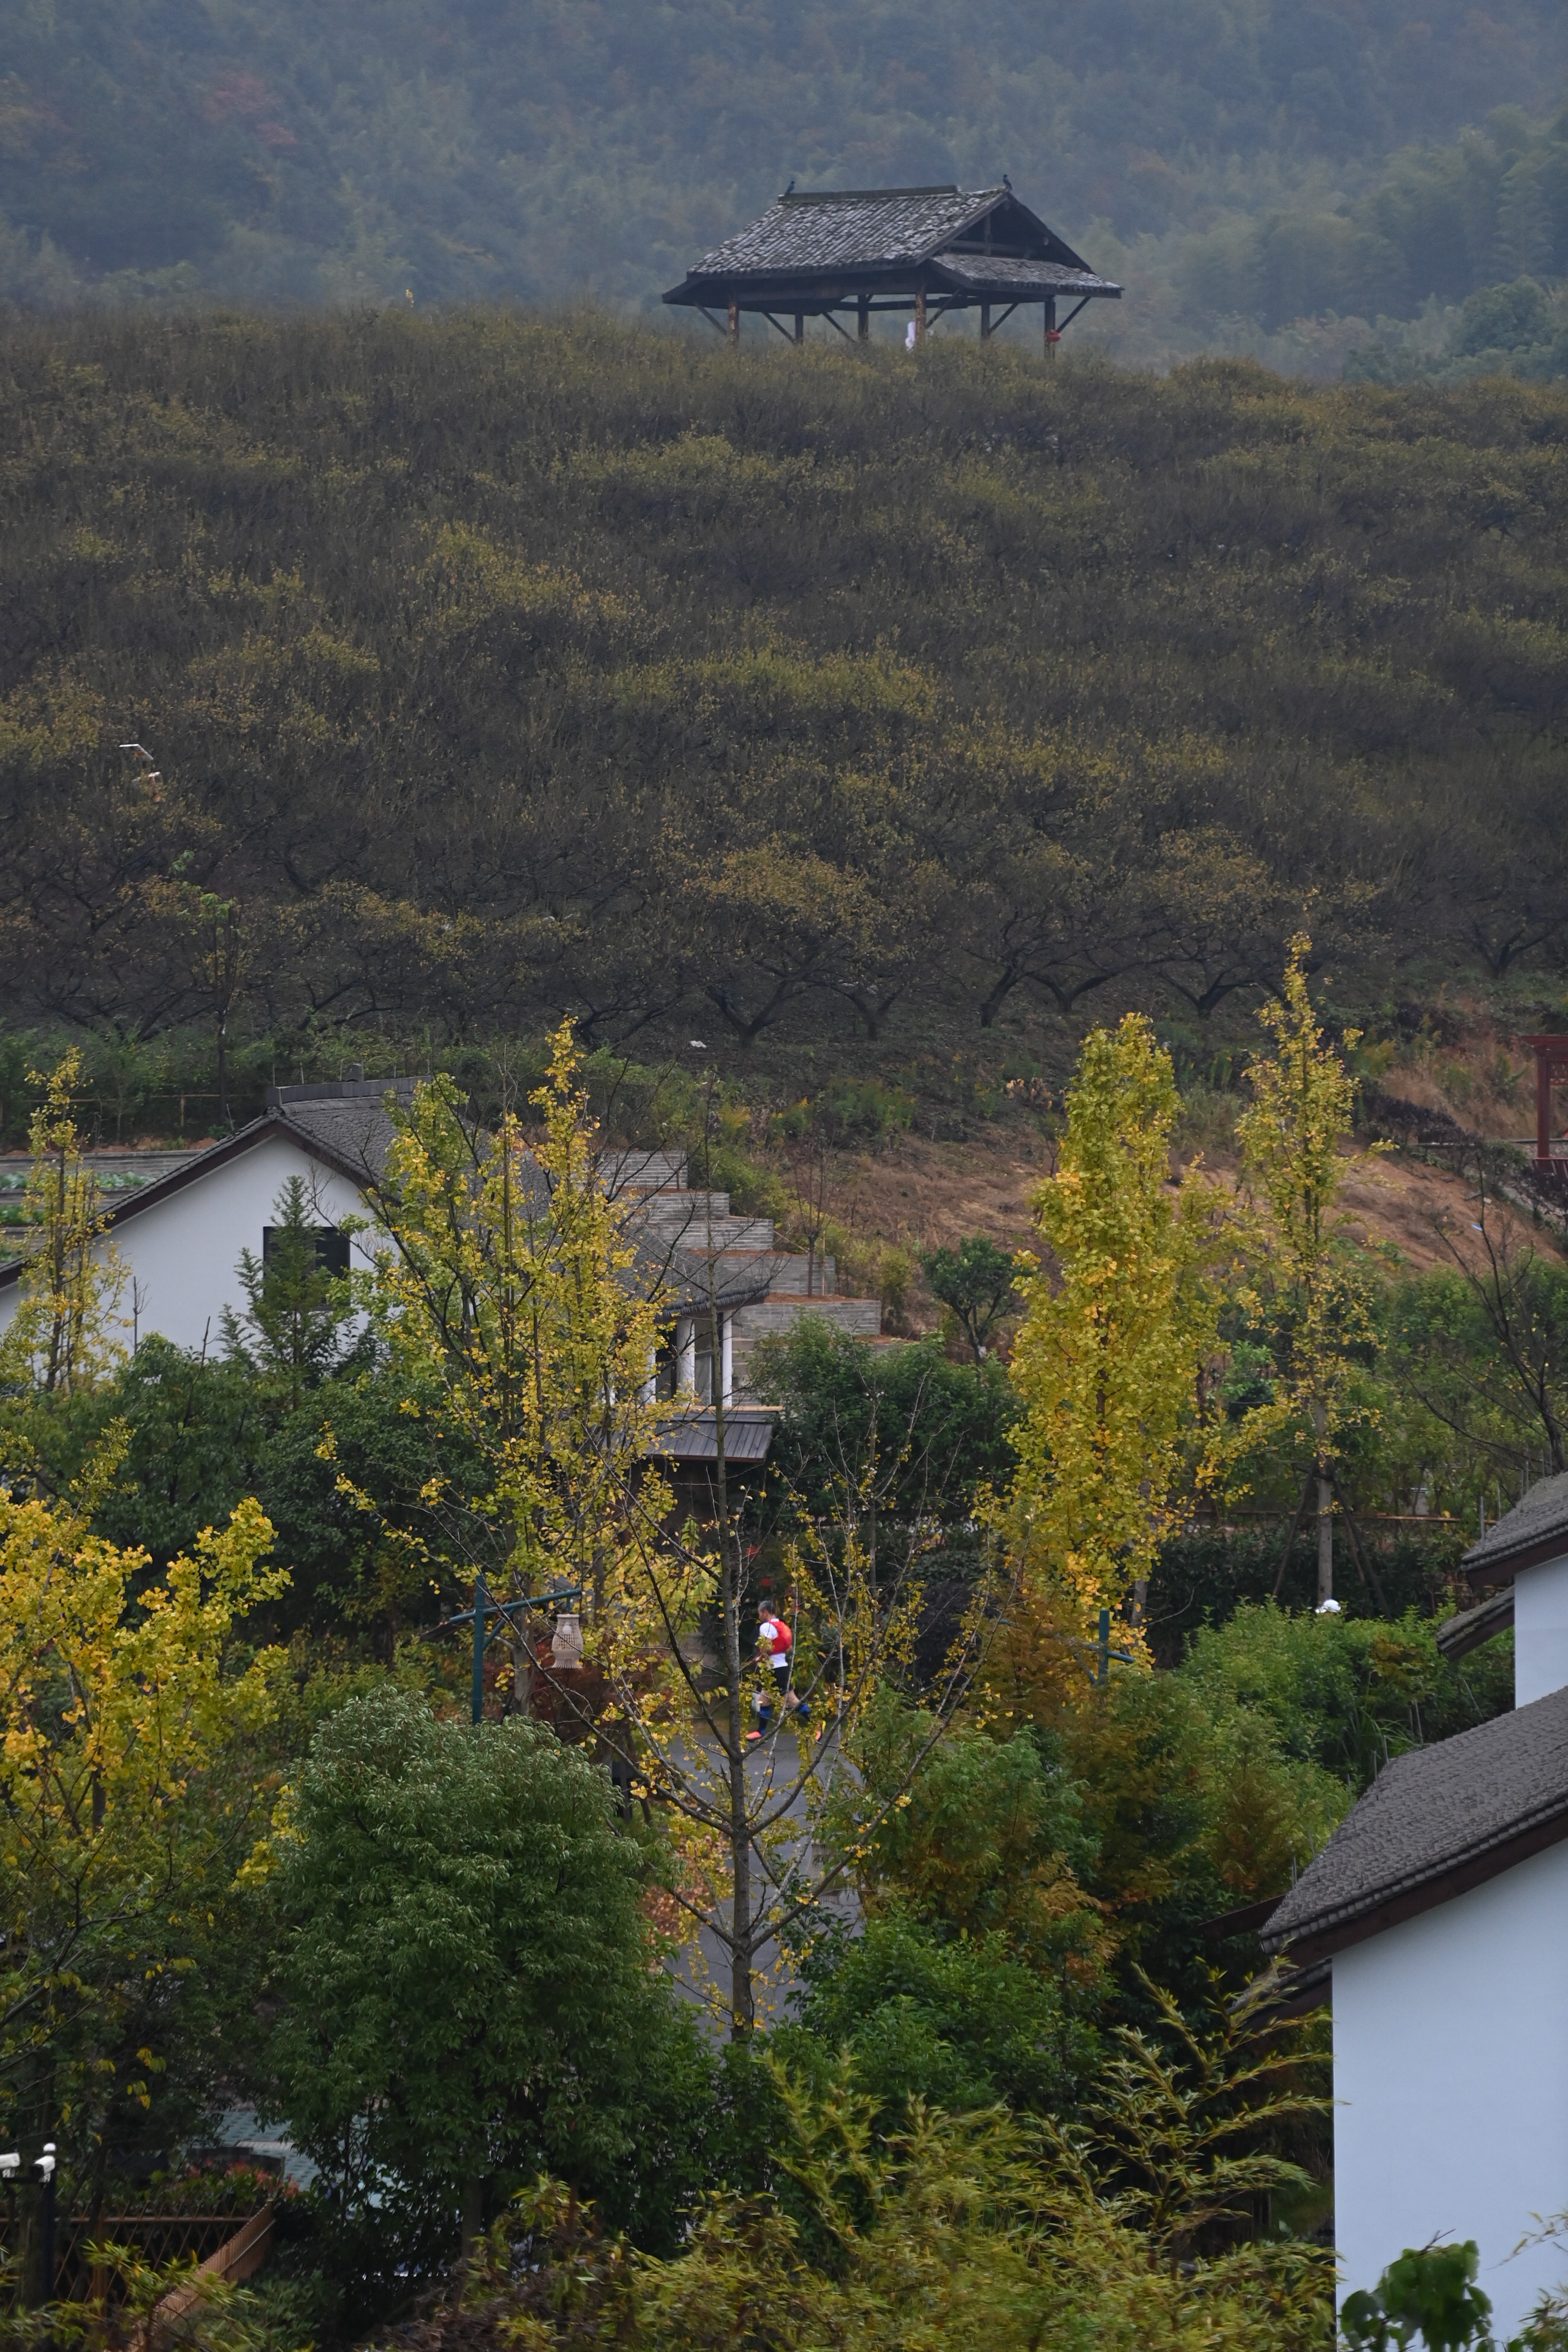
291	1332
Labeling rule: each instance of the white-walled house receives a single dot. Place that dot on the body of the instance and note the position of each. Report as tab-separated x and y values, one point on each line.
179	1236
1441	1906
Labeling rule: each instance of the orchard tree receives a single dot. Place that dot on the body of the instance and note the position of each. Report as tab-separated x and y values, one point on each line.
1117	1325
975	1282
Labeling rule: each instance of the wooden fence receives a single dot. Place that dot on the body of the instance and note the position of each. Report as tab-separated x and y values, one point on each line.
225	2245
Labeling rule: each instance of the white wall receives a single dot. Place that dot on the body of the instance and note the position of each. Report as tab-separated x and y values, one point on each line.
1451	2085
183	1252
1540	1631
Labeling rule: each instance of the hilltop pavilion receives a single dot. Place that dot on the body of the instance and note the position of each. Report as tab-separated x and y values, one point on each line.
928	251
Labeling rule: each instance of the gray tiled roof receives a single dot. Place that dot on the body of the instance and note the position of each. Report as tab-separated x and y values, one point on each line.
1542	1514
357	1131
815	232
1019	277
1430	1813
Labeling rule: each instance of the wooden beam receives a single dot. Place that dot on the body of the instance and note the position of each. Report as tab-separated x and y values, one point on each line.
800	326
734	322
863	307
1049	307
920	314
985	322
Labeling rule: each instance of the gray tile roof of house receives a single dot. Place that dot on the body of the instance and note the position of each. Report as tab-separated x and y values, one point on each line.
1532	1525
1434	1821
355	1128
849	226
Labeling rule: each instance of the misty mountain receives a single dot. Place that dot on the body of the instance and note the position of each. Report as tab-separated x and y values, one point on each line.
1236	159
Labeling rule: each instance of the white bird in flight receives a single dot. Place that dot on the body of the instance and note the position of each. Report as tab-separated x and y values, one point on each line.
149	772
140	752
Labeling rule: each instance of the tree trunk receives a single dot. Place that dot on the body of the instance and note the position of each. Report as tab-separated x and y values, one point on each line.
743	1996
473	2213
1325	1539
1325	1507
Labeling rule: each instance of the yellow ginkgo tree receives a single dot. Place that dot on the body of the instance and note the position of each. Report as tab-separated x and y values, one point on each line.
1313	1289
525	1300
66	1331
508	1285
134	1786
1118	1324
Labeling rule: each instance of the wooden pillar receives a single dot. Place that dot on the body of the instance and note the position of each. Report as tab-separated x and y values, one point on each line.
734	322
920	314
863	309
985	322
800	326
1051	337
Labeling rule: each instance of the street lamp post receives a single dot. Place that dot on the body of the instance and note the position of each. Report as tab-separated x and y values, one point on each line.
10	2165
46	2165
484	1608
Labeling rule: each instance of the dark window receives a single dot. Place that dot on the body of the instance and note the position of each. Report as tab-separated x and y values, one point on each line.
332	1247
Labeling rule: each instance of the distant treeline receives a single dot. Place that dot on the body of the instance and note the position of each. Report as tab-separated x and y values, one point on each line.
1441	222
498	668
1250	164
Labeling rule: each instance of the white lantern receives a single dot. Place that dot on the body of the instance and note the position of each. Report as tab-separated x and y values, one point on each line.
566	1650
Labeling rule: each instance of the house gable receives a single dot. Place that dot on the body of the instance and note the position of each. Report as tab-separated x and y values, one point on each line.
180	1239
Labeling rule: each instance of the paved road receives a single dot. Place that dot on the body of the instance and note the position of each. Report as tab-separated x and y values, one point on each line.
702	1969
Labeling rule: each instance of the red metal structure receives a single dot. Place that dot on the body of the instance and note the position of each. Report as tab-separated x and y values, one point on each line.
1551	1069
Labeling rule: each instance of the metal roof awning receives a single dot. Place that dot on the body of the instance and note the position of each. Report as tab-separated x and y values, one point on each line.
694	1436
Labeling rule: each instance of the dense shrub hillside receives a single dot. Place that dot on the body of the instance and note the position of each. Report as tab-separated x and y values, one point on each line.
500	667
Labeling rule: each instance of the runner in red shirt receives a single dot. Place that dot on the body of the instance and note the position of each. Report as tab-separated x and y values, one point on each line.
774	1645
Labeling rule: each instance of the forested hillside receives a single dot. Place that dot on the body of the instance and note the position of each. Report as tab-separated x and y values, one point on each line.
1245	166
496	669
